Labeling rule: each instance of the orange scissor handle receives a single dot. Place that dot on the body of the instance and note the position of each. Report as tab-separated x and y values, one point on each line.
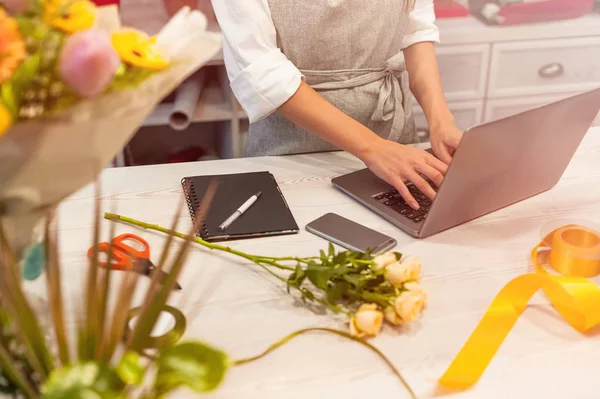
138	249
119	260
123	254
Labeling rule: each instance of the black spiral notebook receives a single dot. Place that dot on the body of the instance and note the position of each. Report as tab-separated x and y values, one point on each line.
268	216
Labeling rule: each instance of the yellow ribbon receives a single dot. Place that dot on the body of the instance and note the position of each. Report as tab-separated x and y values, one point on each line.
169	338
573	251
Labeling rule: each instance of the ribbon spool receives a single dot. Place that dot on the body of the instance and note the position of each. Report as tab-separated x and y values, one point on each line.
573	251
169	338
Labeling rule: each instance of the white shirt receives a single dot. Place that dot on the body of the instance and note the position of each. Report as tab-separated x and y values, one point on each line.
261	76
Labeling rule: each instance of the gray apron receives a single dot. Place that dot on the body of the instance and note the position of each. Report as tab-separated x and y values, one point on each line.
349	51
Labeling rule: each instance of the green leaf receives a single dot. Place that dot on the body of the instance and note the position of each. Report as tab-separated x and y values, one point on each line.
296	278
331	250
28	69
194	365
337	291
372	283
83	381
128	77
307	295
130	370
324	257
11	91
319	275
8	98
340	259
355	279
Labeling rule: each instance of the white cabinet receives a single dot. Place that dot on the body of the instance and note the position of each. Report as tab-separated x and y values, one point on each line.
493	72
466	114
544	67
463	70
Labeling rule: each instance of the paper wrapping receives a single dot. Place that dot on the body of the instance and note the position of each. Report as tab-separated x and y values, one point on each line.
186	102
42	162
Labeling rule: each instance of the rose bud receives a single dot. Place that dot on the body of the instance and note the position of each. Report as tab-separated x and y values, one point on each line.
88	62
392	317
407	269
411	303
368	320
383	260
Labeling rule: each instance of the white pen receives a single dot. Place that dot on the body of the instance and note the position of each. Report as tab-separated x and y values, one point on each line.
240	211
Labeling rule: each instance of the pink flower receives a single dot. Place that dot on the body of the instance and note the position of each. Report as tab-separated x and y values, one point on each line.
15	6
88	62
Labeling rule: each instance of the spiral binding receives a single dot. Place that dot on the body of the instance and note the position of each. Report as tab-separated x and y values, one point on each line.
193	203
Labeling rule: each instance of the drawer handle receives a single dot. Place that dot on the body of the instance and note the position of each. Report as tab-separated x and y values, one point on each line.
553	70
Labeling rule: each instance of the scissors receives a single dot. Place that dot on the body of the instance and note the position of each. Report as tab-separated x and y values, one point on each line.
127	258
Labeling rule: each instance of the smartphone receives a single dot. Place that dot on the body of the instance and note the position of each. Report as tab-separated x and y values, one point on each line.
350	235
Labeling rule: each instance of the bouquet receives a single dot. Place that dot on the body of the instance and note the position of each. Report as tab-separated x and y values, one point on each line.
74	88
369	289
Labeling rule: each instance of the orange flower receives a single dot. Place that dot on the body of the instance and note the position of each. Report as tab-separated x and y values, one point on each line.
12	47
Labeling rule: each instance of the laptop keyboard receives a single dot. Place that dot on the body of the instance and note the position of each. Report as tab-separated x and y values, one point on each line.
395	201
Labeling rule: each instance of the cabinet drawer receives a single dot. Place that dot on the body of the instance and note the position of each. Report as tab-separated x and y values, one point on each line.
502	108
545	67
463	70
466	114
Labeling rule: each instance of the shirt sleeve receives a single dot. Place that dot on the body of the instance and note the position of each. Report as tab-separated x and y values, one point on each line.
421	25
261	76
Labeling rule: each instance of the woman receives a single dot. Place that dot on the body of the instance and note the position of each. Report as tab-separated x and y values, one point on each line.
334	74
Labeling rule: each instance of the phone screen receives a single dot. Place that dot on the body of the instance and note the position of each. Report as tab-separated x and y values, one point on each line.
350	235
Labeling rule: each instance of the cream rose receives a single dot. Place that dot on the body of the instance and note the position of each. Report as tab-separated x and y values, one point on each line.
383	260
407	269
410	303
368	320
417	290
392	317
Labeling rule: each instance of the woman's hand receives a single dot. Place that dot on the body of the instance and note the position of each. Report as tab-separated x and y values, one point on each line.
398	164
444	141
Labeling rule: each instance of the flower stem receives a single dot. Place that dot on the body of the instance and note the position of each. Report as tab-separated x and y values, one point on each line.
293	335
380	299
254	258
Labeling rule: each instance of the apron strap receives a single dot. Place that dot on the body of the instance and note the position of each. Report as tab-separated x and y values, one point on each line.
392	96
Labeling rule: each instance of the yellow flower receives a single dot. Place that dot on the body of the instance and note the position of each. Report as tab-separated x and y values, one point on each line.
5	119
12	47
138	49
70	16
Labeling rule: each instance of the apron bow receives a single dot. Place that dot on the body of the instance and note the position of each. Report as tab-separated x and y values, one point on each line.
392	95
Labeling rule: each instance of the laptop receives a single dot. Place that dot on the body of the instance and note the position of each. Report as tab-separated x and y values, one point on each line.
496	165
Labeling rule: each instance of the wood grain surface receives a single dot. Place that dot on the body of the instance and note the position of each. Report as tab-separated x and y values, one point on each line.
233	305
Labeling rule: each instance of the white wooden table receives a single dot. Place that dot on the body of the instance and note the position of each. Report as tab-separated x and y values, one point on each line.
242	310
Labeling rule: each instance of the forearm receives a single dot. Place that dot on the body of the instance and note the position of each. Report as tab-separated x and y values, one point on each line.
426	85
313	113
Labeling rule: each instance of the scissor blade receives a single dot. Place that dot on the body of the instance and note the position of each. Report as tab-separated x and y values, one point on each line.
163	277
148	268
